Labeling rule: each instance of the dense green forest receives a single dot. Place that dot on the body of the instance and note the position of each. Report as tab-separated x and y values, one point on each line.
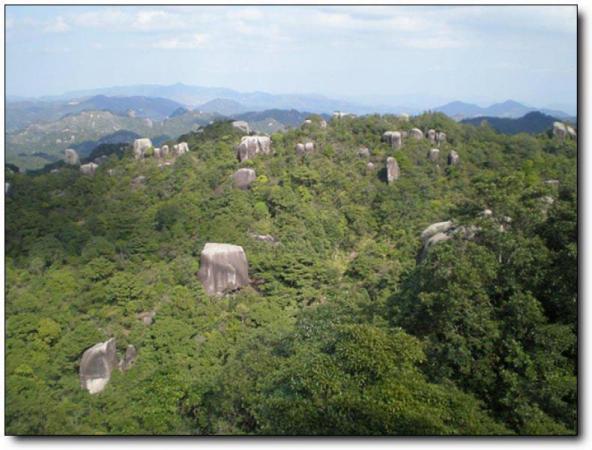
346	328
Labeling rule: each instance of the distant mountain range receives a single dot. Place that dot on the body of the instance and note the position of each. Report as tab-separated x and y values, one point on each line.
533	122
508	109
38	130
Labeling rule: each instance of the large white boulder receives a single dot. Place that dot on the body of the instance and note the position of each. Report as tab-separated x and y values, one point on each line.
96	366
223	268
89	168
393	138
392	169
140	147
253	145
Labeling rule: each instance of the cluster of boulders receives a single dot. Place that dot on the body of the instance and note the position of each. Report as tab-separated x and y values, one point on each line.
98	362
223	268
250	146
304	149
562	131
141	148
395	138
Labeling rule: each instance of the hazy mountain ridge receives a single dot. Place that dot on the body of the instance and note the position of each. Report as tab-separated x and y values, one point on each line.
509	109
533	122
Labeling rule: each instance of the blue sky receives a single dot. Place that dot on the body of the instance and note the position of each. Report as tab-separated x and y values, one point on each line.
385	54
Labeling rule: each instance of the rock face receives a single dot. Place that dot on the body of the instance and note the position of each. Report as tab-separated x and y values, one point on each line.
416	133
180	149
431	135
243	178
393	138
303	149
436	232
6	188
571	132
435	228
434	154
96	366
241	125
453	158
307	122
147	317
223	268
392	169
559	130
268	238
364	152
130	357
404	117
253	145
164	151
89	169
71	157
157	154
370	166
323	123
440	137
140	146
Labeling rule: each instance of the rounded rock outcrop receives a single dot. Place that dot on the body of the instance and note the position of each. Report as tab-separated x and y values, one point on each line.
393	138
416	133
71	157
140	146
253	145
241	125
243	178
223	268
453	158
392	170
89	168
434	154
96	366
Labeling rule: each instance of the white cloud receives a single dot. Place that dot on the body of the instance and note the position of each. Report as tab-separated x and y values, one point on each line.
181	42
58	25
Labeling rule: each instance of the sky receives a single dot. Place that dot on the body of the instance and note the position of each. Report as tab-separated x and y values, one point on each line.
375	54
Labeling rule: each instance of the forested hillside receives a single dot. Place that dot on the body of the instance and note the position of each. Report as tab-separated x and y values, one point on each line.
350	325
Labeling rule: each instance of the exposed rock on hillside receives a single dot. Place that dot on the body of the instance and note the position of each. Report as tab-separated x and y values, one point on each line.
453	158
431	135
223	268
71	157
130	357
364	152
264	238
241	125
303	149
140	147
96	366
180	149
243	178
89	169
253	145
393	138
392	169
433	154
416	133
147	317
